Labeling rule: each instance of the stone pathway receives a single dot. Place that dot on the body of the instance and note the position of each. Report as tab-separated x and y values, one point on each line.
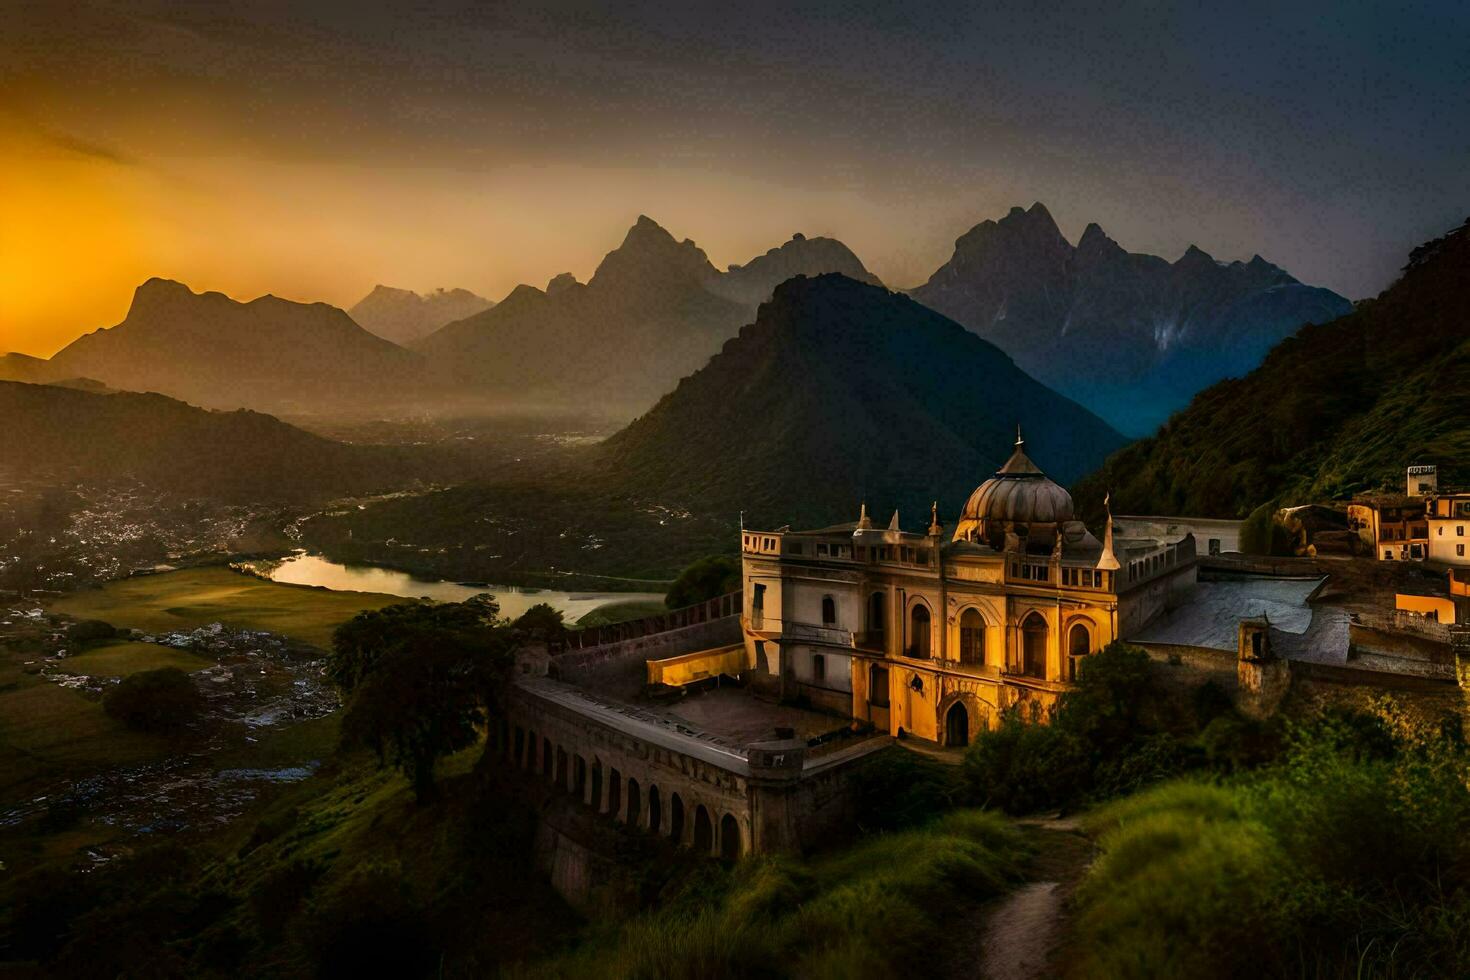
1017	936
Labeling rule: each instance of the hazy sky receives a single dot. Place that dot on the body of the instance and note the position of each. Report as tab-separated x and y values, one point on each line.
312	150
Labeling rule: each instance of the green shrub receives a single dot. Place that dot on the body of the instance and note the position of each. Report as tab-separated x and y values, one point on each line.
706	579
897	789
159	701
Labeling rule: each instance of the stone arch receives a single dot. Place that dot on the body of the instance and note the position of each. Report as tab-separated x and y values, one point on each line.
614	794
977	714
635	802
655	811
972	636
561	768
596	795
546	757
919	642
730	843
579	777
676	818
957	725
704	831
1034	633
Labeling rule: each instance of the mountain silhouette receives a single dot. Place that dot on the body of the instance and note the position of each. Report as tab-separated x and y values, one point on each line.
1131	336
403	316
210	350
654	311
841	392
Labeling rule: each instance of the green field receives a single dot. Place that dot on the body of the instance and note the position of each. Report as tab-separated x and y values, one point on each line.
119	659
195	597
621	612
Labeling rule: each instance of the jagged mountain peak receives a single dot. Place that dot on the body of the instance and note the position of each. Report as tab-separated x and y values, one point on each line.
649	255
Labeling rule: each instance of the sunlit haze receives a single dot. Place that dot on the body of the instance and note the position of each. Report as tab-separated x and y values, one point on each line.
314	154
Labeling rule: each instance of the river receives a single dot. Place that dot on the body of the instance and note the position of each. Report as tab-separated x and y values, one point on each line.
304	569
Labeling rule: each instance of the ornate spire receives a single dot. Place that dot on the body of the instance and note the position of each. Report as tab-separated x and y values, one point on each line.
864	521
1019	441
1107	560
893	522
934	527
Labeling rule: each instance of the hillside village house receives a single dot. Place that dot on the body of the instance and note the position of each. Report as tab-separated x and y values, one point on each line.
934	637
1422	524
1449	529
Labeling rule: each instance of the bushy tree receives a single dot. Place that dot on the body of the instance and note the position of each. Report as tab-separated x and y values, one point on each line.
706	579
542	619
421	680
163	700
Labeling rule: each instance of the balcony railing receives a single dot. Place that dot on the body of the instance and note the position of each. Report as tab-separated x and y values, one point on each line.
811	633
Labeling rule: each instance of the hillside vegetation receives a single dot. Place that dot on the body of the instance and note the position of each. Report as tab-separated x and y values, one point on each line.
1338	408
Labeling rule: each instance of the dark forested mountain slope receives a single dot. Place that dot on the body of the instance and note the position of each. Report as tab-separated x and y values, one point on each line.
210	350
241	455
1339	407
841	392
1131	336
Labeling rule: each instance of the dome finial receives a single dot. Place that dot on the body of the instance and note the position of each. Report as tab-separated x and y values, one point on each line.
1019	440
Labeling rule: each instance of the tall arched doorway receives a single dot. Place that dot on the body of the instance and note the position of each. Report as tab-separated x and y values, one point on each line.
1079	645
919	631
1033	646
972	637
957	725
729	838
704	831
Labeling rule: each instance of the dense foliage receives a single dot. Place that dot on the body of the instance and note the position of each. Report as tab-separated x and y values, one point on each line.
1349	856
420	680
1338	408
1108	735
708	578
163	700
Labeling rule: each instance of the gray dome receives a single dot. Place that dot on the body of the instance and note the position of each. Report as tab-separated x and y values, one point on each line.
1019	493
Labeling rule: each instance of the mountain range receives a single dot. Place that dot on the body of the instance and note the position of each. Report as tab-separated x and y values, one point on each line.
842	392
210	350
1338	408
404	316
1131	336
653	311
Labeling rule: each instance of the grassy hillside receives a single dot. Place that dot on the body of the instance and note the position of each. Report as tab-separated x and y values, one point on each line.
1338	408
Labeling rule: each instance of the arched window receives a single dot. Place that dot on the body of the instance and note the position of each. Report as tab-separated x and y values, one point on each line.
919	631
972	637
829	611
1033	646
729	838
704	831
878	687
1079	645
875	613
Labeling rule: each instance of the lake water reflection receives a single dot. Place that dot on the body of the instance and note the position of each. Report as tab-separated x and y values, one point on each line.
316	570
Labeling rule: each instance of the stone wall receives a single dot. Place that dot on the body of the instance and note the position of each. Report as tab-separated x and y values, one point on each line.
583	666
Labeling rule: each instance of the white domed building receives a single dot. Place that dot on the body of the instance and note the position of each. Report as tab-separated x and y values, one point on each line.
935	635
